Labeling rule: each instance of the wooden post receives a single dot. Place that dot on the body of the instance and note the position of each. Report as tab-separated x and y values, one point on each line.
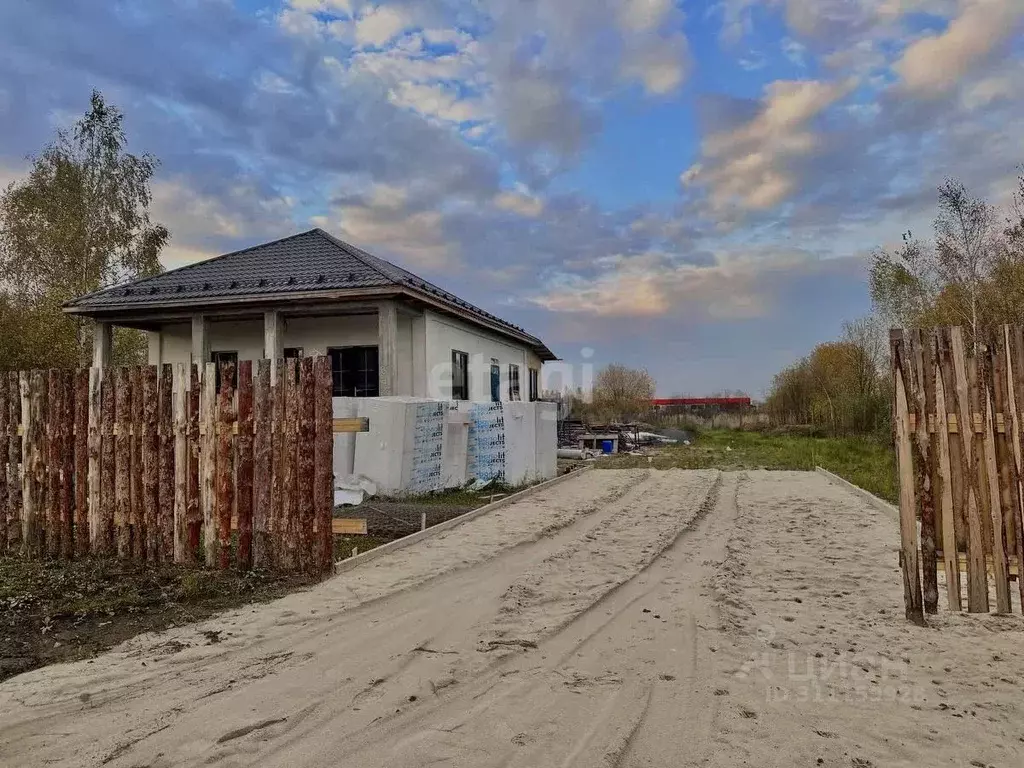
54	405
289	487
168	466
225	470
1015	379
15	496
908	503
323	472
28	493
244	470
194	509
150	463
67	464
122	464
83	435
208	463
987	375
136	515
95	449
6	475
305	457
262	466
108	456
181	550
922	391
966	381
277	447
948	466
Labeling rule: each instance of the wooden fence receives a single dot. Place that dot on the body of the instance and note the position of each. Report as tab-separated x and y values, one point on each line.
958	424
147	464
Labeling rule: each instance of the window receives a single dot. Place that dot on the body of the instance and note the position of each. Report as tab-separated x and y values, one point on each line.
292	352
495	382
354	371
534	385
219	358
513	383
460	375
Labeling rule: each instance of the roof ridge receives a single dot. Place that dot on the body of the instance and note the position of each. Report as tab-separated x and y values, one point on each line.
177	270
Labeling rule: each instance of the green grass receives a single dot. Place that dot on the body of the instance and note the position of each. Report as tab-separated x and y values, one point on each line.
865	462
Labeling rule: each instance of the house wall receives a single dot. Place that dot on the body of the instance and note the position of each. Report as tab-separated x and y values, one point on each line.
444	334
424	348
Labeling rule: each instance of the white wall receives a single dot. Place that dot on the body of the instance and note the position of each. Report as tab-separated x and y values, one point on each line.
445	334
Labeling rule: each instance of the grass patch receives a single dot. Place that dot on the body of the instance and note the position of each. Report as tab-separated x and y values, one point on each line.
865	462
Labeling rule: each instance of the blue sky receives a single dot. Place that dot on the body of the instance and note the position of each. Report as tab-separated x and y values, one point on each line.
693	187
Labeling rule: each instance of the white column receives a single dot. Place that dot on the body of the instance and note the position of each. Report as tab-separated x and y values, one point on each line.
200	341
387	347
101	344
153	337
273	340
420	374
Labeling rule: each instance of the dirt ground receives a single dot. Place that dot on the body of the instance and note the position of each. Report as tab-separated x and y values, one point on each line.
624	618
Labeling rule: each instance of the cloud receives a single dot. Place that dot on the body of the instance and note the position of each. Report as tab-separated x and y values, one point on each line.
937	63
520	202
756	165
379	25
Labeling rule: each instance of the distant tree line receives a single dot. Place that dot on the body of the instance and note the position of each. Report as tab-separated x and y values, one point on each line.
79	221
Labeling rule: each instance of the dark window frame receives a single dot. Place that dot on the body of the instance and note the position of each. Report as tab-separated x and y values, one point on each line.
354	372
495	382
221	356
460	375
534	384
294	352
515	390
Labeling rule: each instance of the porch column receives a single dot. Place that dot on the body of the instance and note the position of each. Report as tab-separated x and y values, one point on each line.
387	347
273	340
153	337
101	344
200	341
420	374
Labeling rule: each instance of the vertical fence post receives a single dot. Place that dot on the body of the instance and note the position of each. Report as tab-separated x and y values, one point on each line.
122	464
244	465
323	483
53	429
34	482
181	551
95	450
262	467
987	374
15	495
208	463
1015	385
289	490
305	460
908	503
108	455
82	436
67	464
6	475
948	464
168	464
277	490
150	463
194	511
225	475
135	519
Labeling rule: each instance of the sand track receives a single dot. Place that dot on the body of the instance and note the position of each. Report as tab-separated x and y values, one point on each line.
626	619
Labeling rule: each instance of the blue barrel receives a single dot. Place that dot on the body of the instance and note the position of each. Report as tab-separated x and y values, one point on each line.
607	446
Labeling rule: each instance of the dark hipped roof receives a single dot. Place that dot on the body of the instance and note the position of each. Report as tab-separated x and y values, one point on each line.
305	263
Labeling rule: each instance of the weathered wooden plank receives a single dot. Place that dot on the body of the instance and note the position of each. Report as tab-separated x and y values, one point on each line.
277	520
136	508
193	510
244	466
344	426
1014	341
289	483
67	464
945	472
122	464
35	519
1005	462
923	403
323	469
52	529
167	465
966	388
225	469
182	551
305	463
908	504
150	463
7	476
208	462
81	461
95	448
13	448
262	466
28	524
987	374
104	543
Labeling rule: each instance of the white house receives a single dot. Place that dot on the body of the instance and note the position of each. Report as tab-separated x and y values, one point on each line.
386	331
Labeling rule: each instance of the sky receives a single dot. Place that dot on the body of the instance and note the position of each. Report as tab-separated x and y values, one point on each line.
690	186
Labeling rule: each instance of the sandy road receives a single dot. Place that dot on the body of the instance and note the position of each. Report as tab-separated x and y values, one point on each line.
625	618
